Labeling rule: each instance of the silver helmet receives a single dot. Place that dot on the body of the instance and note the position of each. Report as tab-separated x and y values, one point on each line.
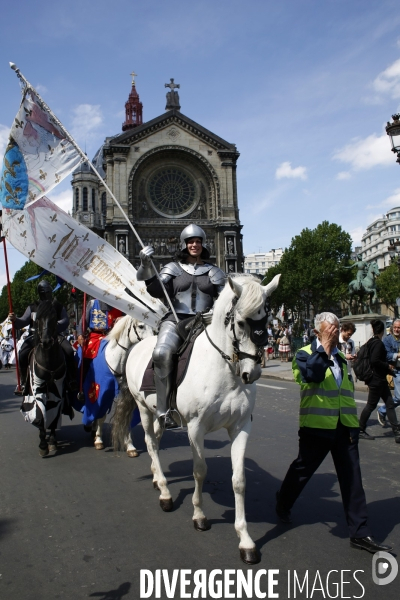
192	231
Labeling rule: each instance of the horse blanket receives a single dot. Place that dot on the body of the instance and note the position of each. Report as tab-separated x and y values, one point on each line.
100	387
44	405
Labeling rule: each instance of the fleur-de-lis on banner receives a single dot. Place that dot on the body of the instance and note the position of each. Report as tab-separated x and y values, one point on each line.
43	175
31	254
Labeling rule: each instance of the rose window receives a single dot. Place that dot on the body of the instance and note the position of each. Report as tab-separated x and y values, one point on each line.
172	192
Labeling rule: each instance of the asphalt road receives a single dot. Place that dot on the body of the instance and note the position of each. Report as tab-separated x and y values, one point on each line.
84	523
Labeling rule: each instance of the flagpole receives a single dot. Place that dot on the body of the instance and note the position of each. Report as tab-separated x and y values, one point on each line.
11	310
83	155
81	396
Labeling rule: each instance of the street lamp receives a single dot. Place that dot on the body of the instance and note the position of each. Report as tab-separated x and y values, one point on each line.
393	131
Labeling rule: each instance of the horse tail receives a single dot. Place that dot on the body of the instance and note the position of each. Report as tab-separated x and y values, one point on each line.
121	421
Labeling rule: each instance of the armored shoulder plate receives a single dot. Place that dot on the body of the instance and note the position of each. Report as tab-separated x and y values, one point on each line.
217	276
172	269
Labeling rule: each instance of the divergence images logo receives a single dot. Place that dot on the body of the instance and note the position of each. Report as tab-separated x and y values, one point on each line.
384	568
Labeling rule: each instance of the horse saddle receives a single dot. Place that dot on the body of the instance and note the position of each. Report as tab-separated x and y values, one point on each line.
188	331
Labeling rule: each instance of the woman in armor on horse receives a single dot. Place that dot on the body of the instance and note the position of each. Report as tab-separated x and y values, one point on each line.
193	284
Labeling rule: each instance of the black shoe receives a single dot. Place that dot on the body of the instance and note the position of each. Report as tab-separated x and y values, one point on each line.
363	435
369	544
381	419
283	513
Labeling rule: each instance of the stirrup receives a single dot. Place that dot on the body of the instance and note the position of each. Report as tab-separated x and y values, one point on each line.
167	422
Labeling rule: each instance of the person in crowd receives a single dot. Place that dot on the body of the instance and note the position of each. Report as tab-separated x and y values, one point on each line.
347	345
392	345
284	346
45	292
328	423
378	387
193	284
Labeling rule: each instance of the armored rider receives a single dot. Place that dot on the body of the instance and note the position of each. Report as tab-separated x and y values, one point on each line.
193	284
28	318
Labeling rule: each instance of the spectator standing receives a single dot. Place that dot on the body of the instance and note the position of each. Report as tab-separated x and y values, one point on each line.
377	384
347	345
392	345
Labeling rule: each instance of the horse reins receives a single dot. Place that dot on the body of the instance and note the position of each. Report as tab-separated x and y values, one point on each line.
237	354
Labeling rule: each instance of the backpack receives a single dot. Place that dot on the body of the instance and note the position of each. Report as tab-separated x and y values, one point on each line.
362	364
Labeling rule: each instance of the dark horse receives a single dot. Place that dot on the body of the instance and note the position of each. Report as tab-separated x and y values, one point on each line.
44	403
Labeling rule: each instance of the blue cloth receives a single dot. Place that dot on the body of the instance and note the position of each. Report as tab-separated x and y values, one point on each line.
14	181
98	374
392	346
98	318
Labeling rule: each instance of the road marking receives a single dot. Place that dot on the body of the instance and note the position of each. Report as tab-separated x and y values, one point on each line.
361	401
273	387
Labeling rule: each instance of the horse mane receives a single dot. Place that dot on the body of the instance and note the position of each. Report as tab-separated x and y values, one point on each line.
45	310
118	328
250	301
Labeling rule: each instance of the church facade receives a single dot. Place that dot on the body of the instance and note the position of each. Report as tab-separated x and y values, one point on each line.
166	174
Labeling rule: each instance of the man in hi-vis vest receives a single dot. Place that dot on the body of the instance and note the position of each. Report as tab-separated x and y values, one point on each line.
328	423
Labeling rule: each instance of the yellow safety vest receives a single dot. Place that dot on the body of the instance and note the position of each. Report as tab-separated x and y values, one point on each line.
322	404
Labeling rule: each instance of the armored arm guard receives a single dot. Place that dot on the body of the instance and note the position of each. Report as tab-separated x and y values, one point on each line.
145	271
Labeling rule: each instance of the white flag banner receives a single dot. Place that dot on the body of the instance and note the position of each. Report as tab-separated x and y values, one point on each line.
55	241
38	155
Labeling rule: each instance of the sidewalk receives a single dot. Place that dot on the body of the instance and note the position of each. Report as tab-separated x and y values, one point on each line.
275	369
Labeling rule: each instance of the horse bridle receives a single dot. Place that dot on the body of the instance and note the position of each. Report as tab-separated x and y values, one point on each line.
132	325
237	354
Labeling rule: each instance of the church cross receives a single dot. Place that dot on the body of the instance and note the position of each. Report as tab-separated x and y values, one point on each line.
172	85
133	75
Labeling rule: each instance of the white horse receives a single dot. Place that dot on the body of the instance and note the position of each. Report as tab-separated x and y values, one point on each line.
218	391
126	332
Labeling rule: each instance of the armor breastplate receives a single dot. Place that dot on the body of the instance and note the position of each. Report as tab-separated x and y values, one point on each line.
192	301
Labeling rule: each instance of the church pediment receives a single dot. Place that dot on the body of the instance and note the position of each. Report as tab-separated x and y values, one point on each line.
175	121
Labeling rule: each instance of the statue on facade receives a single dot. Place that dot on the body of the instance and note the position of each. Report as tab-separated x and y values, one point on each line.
363	285
121	244
172	96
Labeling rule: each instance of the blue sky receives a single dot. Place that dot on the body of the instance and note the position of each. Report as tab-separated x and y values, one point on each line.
302	87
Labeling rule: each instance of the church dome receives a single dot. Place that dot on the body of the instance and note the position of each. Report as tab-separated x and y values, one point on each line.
83	168
98	161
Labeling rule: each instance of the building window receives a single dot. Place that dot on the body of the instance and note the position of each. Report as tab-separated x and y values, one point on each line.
93	200
76	199
85	199
104	204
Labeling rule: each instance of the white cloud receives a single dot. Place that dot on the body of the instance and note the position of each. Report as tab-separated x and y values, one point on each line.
356	235
4	133
343	175
87	118
62	199
366	153
42	89
286	171
393	199
388	81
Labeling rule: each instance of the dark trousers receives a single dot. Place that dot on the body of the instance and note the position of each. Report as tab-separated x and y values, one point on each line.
376	391
344	449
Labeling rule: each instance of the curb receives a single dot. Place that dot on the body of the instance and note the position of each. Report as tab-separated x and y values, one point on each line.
358	387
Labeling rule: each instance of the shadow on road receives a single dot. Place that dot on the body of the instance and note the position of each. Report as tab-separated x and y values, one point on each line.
117	594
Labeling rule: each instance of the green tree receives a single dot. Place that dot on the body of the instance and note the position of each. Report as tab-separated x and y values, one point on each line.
388	287
25	293
312	270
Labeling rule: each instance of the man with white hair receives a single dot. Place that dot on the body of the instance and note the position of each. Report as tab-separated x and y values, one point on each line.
328	423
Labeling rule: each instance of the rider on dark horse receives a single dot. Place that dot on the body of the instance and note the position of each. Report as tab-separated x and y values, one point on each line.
28	318
193	284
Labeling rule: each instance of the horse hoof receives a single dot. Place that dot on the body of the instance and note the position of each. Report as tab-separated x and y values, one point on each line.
167	505
43	451
99	445
155	485
52	447
201	524
250	556
132	453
